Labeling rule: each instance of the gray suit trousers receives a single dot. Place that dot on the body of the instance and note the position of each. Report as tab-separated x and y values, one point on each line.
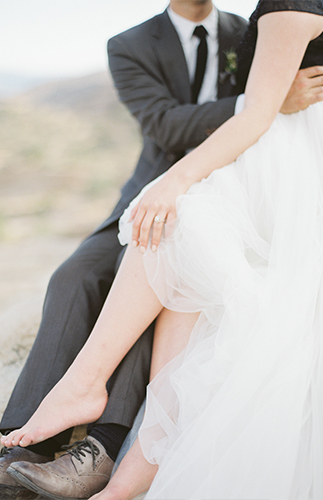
75	296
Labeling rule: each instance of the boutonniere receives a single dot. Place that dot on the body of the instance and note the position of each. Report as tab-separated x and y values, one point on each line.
231	67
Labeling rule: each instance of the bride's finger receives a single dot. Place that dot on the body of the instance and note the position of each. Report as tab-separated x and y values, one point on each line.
145	227
157	229
136	226
133	212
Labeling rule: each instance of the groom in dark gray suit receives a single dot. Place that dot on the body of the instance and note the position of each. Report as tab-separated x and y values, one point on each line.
154	67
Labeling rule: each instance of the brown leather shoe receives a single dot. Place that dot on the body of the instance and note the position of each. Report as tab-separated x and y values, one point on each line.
9	488
77	475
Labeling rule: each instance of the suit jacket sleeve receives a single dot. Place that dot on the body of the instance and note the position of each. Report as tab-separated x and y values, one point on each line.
172	125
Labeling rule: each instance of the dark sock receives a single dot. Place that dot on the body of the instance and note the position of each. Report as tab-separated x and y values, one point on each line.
47	448
111	436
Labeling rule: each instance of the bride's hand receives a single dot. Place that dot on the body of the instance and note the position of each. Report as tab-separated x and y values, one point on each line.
156	208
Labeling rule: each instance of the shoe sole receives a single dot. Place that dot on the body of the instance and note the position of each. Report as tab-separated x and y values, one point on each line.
16	492
21	479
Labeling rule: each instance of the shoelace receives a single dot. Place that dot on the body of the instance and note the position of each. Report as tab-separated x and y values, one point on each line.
5	451
80	448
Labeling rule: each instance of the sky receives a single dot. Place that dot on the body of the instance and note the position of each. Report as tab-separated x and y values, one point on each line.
66	38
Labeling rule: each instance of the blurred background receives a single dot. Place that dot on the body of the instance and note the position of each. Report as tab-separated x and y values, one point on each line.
66	146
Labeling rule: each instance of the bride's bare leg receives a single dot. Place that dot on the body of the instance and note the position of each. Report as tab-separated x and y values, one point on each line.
172	333
80	396
135	474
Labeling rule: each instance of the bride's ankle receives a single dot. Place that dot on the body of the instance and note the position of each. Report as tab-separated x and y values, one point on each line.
84	382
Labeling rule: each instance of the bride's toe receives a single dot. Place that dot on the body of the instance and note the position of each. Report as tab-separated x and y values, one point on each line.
10	439
27	440
16	439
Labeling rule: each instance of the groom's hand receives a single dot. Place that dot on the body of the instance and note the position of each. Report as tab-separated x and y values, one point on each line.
307	89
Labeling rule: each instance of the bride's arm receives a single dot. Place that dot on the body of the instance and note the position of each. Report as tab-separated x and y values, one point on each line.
282	41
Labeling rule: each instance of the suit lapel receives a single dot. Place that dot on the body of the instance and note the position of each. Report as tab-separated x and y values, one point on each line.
172	58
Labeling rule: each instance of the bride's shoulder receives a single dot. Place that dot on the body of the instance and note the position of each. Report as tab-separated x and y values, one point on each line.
267	6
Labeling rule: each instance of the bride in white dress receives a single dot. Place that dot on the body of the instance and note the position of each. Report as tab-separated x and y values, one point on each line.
239	413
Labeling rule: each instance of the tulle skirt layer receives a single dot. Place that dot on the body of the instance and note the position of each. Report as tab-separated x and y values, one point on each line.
239	414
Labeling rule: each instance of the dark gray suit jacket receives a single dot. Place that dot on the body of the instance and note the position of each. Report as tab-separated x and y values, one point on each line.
150	73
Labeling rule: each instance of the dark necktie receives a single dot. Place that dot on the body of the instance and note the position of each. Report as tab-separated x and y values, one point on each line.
201	58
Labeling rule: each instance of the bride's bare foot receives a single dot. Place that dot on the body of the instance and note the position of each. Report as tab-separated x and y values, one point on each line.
67	405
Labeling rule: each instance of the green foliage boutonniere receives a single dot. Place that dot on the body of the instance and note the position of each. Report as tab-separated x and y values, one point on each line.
231	67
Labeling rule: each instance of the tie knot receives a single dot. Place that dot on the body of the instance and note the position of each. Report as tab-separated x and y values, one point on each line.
200	32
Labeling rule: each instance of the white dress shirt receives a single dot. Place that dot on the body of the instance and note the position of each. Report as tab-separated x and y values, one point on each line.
185	28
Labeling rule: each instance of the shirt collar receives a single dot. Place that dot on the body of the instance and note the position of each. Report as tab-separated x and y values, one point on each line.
185	27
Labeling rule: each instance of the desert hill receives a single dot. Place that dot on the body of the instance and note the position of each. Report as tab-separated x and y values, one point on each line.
13	84
66	147
92	94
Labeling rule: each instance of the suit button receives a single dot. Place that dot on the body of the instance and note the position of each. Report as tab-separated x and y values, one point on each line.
170	157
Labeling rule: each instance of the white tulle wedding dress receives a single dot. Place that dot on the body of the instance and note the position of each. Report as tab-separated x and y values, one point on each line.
239	414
